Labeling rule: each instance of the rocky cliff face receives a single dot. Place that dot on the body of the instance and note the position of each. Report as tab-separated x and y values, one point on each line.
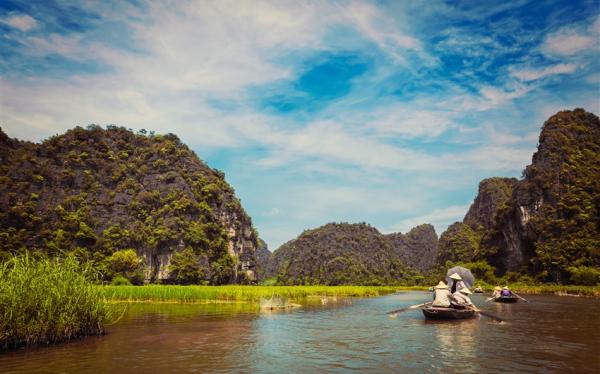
418	248
94	191
549	220
494	194
553	218
263	257
339	254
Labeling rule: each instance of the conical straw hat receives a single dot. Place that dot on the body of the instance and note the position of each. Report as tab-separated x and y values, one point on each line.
466	291
497	288
456	276
441	285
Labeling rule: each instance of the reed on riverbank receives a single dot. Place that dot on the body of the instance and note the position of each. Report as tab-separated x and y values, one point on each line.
232	293
45	301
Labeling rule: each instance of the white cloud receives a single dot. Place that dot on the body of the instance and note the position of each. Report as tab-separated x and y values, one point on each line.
22	22
497	96
527	75
570	40
411	123
439	218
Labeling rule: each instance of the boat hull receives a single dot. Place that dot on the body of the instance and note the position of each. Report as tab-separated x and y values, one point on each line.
506	299
447	313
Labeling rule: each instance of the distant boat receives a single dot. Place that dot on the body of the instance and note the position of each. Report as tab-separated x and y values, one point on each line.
430	289
431	312
506	299
478	290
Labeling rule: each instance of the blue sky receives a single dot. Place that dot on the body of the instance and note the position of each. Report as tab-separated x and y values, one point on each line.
383	112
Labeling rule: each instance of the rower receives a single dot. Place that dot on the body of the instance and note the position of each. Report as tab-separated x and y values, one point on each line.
460	299
497	292
457	283
440	295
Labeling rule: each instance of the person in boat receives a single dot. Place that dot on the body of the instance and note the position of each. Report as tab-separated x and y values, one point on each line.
460	299
506	292
457	283
441	295
497	292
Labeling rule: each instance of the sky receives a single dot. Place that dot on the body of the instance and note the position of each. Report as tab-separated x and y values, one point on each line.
385	112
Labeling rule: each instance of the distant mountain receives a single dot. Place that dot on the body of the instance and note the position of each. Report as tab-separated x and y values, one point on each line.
548	222
339	253
95	191
418	248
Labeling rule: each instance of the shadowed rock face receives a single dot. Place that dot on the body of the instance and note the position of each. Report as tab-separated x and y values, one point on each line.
263	256
494	193
95	191
550	219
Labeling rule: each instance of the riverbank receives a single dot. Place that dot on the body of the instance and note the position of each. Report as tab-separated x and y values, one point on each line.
551	289
234	293
237	293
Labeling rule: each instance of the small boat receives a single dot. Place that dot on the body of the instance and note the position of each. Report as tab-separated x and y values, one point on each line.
506	299
477	290
431	312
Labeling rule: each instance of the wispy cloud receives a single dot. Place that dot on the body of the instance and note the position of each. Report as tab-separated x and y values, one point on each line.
570	40
22	22
527	75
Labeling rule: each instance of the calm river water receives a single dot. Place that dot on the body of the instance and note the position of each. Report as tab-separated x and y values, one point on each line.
549	334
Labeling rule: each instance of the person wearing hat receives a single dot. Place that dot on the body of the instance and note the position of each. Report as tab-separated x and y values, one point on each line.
460	299
497	292
441	295
457	283
506	292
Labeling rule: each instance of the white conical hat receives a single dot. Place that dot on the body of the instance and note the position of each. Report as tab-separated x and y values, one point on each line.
505	288
441	285
466	291
456	276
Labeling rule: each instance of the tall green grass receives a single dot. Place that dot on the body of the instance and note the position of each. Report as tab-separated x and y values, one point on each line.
187	294
45	301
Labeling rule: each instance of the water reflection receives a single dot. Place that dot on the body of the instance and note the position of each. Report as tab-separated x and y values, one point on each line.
456	338
550	334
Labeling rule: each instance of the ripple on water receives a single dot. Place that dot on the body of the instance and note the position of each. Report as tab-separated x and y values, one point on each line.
550	334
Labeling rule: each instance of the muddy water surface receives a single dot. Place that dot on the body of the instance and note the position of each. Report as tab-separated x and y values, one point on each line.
549	334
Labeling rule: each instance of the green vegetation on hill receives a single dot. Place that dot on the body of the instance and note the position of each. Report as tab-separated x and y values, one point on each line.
340	253
124	202
547	225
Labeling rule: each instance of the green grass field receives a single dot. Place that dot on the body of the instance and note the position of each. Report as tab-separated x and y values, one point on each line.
233	293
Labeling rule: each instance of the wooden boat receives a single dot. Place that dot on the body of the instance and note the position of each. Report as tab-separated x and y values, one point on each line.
506	299
431	312
477	290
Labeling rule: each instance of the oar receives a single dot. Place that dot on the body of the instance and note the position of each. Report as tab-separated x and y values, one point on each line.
489	299
490	315
407	308
520	297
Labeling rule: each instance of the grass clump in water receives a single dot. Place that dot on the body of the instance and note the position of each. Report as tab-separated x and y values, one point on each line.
186	294
45	301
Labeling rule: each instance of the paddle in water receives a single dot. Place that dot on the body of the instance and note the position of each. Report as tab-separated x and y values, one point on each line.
394	313
489	315
522	298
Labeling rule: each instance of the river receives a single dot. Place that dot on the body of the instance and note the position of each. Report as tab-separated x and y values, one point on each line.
550	334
